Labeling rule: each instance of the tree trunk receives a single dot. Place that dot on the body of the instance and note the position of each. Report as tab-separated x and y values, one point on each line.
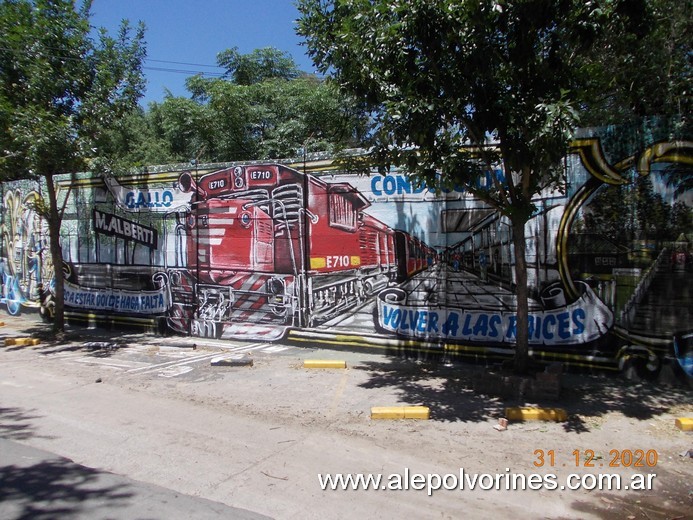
521	293
54	220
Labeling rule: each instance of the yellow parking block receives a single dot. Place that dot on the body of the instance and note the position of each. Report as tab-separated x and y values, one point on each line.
535	414
400	412
685	424
21	342
387	412
416	412
323	363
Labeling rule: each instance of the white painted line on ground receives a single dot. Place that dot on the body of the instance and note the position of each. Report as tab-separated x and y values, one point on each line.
239	348
153	367
275	349
113	363
65	355
179	365
175	371
175	355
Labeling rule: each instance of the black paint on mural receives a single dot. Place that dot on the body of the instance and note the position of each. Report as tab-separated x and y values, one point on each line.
113	225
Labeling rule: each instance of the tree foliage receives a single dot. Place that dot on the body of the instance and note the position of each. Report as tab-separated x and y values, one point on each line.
445	78
61	89
258	66
645	70
263	108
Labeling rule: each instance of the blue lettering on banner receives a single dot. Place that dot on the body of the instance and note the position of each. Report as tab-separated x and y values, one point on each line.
558	326
150	302
579	320
420	321
398	184
394	184
149	199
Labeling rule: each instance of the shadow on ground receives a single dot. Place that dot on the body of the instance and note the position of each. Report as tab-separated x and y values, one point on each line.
56	488
446	390
593	396
97	342
450	393
672	501
15	424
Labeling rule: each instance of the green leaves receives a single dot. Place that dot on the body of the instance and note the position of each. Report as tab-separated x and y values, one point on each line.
266	110
60	90
444	74
258	66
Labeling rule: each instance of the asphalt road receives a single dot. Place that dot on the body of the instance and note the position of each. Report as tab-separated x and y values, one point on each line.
118	425
40	485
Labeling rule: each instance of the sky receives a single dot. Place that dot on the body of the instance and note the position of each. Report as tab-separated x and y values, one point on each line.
184	36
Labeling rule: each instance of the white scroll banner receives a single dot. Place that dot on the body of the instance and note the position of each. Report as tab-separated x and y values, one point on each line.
116	300
582	321
159	200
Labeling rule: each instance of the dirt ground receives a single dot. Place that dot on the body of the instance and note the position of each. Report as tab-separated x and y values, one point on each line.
256	437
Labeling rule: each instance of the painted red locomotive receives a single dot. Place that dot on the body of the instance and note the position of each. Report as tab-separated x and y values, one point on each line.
267	245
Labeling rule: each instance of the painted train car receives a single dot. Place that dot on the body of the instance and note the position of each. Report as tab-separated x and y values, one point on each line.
414	255
267	245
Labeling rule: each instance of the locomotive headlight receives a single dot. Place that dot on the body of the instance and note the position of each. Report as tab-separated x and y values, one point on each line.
277	299
238	180
275	286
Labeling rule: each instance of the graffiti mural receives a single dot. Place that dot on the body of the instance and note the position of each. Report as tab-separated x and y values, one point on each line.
24	263
304	252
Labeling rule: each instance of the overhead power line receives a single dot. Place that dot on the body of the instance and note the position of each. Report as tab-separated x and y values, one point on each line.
146	60
192	72
185	71
184	63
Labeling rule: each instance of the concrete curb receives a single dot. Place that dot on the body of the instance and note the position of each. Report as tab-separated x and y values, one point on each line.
536	414
21	342
323	363
685	424
400	412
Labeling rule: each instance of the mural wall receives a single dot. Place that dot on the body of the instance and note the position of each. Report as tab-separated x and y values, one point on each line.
303	252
